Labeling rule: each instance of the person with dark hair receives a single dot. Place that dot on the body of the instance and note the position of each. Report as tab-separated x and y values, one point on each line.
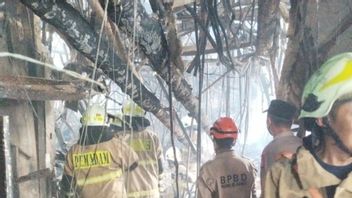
322	167
227	175
280	117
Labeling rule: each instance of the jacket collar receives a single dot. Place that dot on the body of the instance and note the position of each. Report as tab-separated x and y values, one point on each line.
283	134
313	175
220	151
347	183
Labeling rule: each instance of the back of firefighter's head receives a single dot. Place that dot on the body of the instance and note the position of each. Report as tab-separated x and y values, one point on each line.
134	115
329	87
280	116
224	132
94	116
281	113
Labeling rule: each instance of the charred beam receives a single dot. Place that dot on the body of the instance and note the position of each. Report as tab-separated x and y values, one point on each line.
78	32
27	88
268	20
152	41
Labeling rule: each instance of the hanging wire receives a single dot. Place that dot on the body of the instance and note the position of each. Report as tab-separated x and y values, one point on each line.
50	66
198	61
200	86
172	128
84	130
246	110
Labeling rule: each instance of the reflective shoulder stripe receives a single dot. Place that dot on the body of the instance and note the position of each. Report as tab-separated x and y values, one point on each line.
141	145
146	162
99	179
144	193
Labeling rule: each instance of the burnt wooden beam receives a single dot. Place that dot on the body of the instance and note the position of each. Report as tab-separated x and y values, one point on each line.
268	20
78	32
82	36
153	43
39	89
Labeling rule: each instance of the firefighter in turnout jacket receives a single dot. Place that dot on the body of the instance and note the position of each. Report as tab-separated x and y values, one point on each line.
143	182
227	175
322	167
95	166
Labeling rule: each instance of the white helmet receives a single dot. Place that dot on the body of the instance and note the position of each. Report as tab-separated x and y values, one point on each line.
94	115
188	121
330	82
169	155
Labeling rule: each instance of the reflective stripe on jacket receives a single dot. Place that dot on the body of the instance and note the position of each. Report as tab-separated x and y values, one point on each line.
303	176
143	182
97	169
100	178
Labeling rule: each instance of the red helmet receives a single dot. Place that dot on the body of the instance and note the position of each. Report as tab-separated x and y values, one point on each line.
224	127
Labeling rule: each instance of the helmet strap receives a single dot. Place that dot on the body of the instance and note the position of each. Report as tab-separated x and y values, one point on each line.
317	137
330	132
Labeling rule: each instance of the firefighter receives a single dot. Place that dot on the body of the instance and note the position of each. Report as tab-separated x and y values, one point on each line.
95	166
280	117
322	167
191	126
227	175
144	181
185	176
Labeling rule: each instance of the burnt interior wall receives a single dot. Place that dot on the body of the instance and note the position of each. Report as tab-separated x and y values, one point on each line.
31	123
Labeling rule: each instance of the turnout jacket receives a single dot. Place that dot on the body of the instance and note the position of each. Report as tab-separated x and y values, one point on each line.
143	182
97	170
227	175
303	176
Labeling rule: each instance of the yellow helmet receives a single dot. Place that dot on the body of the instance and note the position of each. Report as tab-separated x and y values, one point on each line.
94	115
329	83
130	108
